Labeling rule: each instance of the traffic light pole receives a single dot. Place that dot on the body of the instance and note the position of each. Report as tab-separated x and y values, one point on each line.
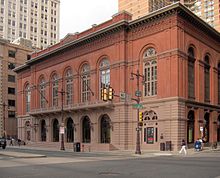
62	92
138	144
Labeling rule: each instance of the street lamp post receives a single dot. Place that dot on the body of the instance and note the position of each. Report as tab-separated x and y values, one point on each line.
138	95
62	92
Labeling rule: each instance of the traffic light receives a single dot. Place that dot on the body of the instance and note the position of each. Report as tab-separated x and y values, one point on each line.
140	116
110	93
104	94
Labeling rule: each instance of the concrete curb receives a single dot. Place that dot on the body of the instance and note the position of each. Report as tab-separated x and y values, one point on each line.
21	155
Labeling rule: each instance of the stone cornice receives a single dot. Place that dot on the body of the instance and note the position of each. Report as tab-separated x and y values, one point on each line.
196	104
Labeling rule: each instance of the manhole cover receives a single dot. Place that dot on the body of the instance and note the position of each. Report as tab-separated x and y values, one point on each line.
109	173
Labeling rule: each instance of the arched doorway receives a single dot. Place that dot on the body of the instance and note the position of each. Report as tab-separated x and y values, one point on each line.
55	130
190	127
86	129
218	129
43	131
150	127
105	129
70	130
206	128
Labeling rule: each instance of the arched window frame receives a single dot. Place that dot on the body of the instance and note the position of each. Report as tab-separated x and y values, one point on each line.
104	69
55	85
191	73
69	87
42	94
150	72
207	78
27	98
85	83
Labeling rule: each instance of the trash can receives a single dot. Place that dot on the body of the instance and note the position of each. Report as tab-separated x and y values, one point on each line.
162	146
76	147
168	145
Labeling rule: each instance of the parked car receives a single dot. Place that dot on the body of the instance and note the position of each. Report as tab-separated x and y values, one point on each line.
3	142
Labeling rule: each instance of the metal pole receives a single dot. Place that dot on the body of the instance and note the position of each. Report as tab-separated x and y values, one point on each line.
62	124
138	145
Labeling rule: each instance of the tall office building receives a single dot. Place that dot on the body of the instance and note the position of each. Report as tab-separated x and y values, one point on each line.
37	20
208	10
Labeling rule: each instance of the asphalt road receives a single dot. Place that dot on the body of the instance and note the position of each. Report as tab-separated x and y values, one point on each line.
59	166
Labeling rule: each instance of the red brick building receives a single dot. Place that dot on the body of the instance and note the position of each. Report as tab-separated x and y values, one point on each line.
178	56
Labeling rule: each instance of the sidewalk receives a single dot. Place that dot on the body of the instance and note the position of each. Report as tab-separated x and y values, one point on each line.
144	153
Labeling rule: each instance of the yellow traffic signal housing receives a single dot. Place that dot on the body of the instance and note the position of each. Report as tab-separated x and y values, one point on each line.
110	93
141	117
104	94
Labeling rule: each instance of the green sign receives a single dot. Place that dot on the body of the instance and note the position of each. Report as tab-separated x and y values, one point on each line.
138	106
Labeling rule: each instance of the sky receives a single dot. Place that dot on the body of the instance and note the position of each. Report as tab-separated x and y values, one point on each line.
79	15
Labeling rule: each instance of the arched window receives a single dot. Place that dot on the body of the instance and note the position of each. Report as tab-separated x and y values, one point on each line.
207	79
69	87
191	73
42	96
104	68
85	83
70	130
55	130
206	128
190	127
150	72
27	97
105	129
55	90
43	131
86	130
219	83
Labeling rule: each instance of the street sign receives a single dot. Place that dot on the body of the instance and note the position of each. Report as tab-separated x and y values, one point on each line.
138	106
138	93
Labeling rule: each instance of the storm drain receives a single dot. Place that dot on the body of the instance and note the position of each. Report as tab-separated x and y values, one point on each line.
109	173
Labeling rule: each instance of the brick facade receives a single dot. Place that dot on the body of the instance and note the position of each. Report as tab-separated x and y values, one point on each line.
171	32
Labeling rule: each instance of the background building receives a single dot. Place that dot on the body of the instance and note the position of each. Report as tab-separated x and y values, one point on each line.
169	59
11	56
208	10
36	20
